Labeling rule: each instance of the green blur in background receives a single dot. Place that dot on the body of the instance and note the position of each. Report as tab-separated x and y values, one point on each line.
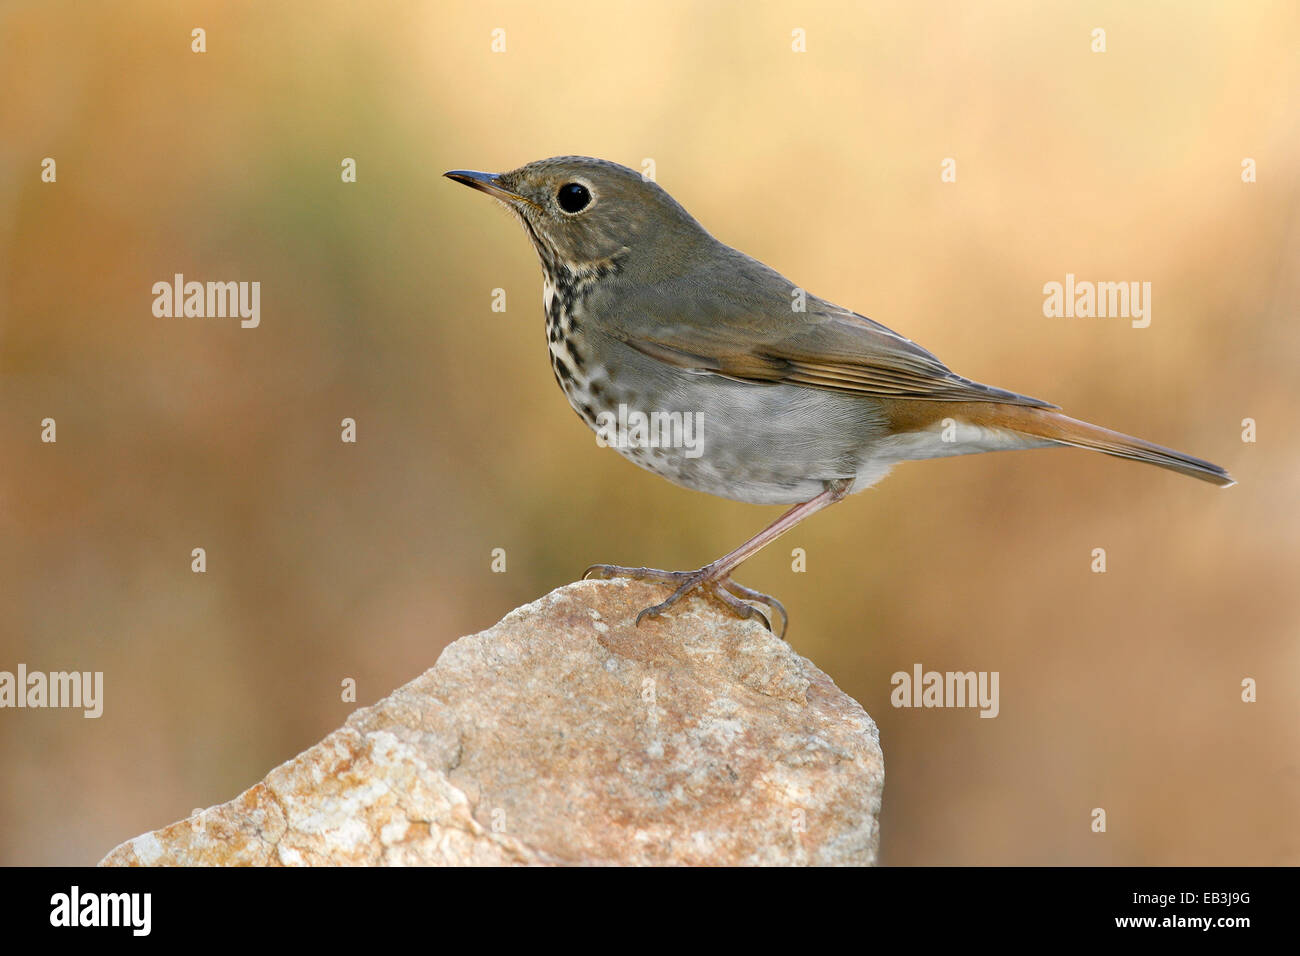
328	561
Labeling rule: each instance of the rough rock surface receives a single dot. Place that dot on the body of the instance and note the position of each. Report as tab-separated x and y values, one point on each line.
565	735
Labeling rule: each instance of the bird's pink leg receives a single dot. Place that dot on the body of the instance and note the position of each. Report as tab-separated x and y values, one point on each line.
716	577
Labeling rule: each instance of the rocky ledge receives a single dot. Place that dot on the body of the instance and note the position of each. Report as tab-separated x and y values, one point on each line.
565	735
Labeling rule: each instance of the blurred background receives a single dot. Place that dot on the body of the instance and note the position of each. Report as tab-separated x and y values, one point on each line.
328	560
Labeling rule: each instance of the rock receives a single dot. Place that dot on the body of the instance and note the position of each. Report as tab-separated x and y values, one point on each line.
565	735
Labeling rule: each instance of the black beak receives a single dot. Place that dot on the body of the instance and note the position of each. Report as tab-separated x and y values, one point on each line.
484	183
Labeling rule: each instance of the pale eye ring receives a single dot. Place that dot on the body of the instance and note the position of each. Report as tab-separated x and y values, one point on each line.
573	197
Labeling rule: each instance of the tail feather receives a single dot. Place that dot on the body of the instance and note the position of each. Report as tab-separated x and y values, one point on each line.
1053	426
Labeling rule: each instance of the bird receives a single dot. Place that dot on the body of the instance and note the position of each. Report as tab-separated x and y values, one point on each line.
656	328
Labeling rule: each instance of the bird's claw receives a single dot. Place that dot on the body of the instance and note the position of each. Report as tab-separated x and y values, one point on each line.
735	596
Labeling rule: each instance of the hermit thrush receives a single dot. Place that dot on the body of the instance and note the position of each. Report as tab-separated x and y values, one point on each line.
655	326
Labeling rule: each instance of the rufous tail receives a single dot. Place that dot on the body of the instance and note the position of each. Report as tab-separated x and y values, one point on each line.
1043	423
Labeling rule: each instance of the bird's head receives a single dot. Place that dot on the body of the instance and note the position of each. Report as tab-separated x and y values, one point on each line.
583	213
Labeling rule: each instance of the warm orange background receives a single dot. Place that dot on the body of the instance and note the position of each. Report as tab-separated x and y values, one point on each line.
328	561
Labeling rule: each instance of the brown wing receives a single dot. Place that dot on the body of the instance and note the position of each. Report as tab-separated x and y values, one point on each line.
745	329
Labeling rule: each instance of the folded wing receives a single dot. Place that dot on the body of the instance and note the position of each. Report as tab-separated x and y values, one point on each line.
749	331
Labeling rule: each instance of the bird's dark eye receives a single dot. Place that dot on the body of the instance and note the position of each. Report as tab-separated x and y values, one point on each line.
574	197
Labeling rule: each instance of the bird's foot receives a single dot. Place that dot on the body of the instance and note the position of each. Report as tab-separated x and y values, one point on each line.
718	586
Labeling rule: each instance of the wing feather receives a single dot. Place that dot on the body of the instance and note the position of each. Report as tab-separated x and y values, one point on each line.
746	330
